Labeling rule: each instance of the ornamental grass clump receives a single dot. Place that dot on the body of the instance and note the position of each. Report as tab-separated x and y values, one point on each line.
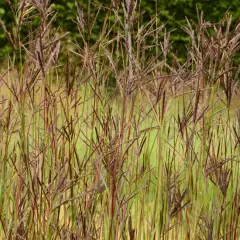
116	138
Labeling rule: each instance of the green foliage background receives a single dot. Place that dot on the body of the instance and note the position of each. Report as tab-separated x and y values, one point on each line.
172	11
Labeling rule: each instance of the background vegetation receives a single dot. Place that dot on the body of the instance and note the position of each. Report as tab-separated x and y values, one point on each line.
173	13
